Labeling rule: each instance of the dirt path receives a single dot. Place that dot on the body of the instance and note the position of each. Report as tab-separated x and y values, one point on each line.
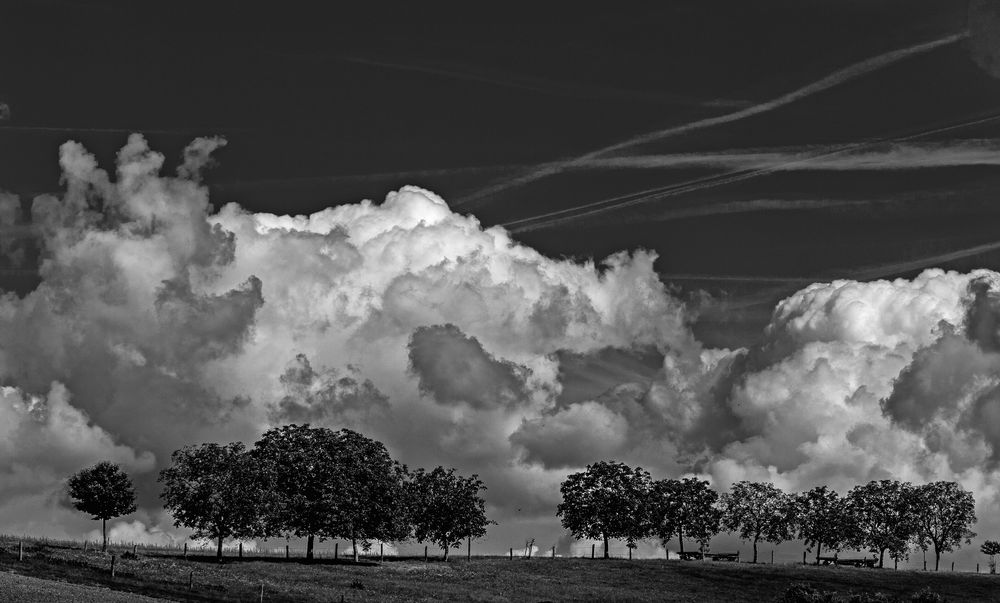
25	589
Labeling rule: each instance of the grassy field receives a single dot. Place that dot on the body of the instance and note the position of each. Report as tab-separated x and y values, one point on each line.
167	575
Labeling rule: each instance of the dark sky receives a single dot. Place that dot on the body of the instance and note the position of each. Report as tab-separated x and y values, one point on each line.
328	107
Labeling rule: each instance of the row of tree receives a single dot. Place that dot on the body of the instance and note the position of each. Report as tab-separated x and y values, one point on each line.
302	481
613	500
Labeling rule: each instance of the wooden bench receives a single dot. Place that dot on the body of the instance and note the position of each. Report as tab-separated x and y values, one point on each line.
697	556
848	561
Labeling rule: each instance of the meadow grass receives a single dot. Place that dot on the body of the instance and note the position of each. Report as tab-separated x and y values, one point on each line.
165	573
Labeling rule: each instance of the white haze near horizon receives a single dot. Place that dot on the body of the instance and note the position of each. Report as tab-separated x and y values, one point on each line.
160	322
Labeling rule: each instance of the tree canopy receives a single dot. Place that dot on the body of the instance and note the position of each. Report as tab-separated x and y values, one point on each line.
217	491
608	500
684	507
823	519
446	508
103	491
944	512
758	511
884	514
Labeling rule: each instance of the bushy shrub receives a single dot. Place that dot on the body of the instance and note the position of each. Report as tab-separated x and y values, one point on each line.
802	592
926	595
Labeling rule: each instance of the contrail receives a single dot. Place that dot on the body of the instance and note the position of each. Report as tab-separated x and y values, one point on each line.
178	131
834	79
573	213
792	284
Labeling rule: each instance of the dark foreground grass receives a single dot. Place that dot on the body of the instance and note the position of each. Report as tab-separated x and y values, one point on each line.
166	575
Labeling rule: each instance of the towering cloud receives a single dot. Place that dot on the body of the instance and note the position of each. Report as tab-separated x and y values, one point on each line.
161	322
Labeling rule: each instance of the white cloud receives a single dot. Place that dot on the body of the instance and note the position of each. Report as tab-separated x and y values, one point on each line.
169	324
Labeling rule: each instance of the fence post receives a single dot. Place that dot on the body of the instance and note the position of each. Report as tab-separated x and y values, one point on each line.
772	556
977	568
113	558
336	550
20	550
191	580
630	553
135	549
803	557
287	555
553	552
593	547
381	552
241	550
84	546
261	592
511	552
185	550
952	566
468	550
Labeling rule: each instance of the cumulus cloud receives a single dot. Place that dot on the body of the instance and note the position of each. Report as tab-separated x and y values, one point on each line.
170	323
137	532
163	322
454	368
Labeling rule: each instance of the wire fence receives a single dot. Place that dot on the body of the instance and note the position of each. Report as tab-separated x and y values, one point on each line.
383	552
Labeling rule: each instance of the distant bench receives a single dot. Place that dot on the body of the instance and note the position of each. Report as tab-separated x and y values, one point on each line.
696	556
853	562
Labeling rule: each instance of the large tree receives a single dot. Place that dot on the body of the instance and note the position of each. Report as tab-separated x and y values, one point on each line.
302	463
218	491
371	503
104	491
885	517
758	511
608	500
446	508
332	484
823	519
684	507
944	513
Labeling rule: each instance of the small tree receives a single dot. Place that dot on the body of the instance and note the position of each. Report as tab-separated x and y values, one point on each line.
758	511
991	548
944	513
218	491
446	508
822	519
104	491
608	500
885	517
685	507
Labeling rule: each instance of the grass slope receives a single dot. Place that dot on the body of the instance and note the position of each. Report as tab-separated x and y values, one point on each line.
166	575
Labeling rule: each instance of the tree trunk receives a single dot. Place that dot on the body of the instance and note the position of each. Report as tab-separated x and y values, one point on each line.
445	552
218	550
354	543
104	532
680	538
309	547
755	550
606	546
881	557
819	546
937	558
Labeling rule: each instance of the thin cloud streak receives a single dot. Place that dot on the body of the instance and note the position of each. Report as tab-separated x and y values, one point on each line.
834	79
553	218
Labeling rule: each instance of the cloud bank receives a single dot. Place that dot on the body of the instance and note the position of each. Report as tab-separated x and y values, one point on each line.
161	321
